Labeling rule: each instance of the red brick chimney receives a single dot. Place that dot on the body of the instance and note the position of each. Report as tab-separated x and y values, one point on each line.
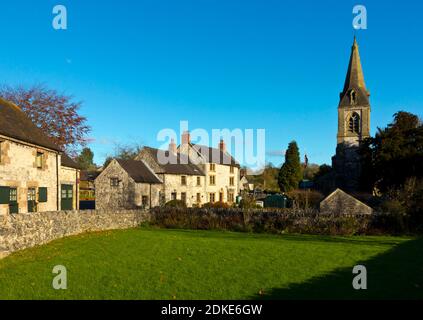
186	137
222	145
172	146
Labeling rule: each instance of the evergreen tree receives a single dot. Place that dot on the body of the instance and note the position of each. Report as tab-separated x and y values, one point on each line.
291	172
86	159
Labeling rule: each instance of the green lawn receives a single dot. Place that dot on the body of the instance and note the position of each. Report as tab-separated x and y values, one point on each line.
177	264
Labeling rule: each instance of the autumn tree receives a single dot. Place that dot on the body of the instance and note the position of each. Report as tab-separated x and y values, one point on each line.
55	113
291	172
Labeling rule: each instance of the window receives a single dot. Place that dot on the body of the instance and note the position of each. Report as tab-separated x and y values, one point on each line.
183	197
32	197
114	182
212	180
144	201
232	170
42	194
198	197
231	197
39	160
184	180
13	197
354	123
212	167
231	181
173	196
13	201
198	181
212	197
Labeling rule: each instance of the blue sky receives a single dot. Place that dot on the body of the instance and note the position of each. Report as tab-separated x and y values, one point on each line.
141	66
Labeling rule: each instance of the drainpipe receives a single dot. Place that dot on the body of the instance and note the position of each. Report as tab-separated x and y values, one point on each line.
76	191
58	182
150	196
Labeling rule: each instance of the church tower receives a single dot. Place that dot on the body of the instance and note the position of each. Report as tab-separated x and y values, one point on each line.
353	124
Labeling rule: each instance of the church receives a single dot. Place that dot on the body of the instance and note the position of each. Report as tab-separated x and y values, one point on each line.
353	125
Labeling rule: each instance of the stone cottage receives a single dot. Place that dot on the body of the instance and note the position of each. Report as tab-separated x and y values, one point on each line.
221	169
35	175
127	184
182	179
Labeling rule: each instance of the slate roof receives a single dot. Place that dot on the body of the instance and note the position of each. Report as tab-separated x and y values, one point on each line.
139	171
68	162
15	124
178	163
214	155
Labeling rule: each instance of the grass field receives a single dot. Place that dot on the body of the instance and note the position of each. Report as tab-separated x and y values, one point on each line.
177	264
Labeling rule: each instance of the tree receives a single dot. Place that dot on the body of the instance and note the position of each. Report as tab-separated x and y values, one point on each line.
324	169
291	172
86	159
394	155
55	113
124	152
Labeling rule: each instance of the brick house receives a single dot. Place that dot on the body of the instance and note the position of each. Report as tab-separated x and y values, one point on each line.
35	175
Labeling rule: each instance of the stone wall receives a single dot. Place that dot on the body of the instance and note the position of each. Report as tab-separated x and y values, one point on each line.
22	231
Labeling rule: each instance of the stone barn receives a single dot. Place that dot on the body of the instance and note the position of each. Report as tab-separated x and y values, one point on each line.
340	202
127	184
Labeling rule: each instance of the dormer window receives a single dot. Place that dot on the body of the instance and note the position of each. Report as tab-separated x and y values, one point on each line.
354	123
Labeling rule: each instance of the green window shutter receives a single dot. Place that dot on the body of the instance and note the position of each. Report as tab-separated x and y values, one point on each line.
4	195
42	194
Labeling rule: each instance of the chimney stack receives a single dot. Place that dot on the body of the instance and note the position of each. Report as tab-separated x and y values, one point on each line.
186	137
222	145
172	146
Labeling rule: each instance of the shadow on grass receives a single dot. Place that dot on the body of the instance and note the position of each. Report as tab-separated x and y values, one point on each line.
395	274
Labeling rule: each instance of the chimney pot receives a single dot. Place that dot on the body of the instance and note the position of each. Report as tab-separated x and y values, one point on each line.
186	137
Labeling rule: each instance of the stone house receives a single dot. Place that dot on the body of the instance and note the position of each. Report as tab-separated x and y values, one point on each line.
340	202
182	180
222	171
127	184
35	175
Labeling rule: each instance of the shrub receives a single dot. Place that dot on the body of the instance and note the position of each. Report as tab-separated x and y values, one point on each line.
264	220
176	204
306	199
219	204
248	202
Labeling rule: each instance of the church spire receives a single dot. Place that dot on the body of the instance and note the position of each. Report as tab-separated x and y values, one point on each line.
355	76
354	80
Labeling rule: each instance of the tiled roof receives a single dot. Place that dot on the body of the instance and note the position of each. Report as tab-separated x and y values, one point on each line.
177	163
139	171
14	123
214	155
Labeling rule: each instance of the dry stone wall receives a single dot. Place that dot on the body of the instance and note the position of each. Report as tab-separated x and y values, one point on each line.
22	231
